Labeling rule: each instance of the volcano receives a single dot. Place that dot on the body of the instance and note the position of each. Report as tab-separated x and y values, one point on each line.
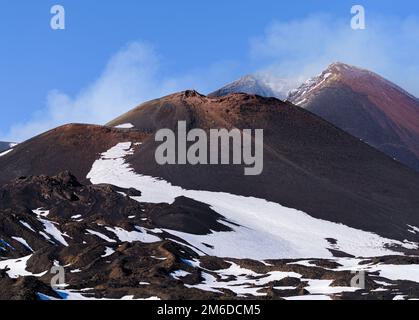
367	106
309	164
94	198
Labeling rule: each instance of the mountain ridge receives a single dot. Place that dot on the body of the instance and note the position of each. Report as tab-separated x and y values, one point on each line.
93	199
367	106
302	153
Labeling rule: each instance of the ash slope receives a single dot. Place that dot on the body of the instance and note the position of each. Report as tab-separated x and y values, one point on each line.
309	164
71	147
368	107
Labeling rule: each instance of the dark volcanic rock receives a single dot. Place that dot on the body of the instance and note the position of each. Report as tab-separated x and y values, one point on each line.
24	288
189	216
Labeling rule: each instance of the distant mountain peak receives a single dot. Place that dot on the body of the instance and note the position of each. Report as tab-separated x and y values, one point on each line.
349	71
336	72
349	75
248	78
341	66
250	84
366	105
262	84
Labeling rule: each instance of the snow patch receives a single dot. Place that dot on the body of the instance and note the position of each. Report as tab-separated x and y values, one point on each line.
100	235
398	272
50	227
413	229
125	126
324	287
266	229
24	242
26	225
179	274
18	267
5	152
108	251
132	236
246	282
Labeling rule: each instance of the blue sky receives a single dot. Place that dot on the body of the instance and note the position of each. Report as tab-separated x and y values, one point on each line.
115	54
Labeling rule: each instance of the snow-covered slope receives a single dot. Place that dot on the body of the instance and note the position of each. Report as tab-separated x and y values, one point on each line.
261	229
114	247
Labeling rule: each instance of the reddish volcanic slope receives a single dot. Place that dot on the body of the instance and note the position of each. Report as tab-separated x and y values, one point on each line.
367	106
309	164
73	146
